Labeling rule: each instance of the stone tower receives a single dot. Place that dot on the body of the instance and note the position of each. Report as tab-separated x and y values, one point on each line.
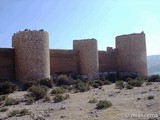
132	53
32	60
88	55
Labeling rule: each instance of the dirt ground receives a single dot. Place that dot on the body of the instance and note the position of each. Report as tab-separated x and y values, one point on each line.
126	105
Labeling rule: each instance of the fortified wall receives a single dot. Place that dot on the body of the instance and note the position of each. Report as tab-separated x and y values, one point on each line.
31	59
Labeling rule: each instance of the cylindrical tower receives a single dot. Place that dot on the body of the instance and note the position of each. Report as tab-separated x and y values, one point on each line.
88	55
132	53
32	60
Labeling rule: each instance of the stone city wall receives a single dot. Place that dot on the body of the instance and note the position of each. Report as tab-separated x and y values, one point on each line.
88	54
64	61
107	60
132	53
7	63
32	60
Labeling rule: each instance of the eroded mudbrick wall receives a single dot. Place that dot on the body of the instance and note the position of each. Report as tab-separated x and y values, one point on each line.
132	53
64	61
88	57
7	64
32	60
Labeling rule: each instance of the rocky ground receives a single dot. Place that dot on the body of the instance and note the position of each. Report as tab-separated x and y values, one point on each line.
126	105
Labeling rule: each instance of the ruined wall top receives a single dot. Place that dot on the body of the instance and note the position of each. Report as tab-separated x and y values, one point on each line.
125	36
28	31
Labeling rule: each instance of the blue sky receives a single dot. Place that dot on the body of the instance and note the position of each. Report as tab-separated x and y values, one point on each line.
66	20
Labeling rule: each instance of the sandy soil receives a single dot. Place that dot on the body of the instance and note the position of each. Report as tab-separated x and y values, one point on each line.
125	105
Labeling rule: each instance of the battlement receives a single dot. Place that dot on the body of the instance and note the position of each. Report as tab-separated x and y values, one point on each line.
129	36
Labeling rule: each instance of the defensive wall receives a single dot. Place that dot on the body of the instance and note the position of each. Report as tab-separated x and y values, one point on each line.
7	63
132	53
31	59
64	61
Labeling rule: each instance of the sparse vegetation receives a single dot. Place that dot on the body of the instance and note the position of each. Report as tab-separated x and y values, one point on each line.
150	97
82	86
107	82
59	98
120	84
154	78
135	82
29	101
92	101
3	109
13	113
37	92
7	87
46	82
64	80
19	113
59	90
144	92
103	104
3	97
148	83
11	101
28	84
129	86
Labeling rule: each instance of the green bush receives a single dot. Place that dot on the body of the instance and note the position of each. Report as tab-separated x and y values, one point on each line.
13	113
154	78
94	100
150	97
100	82
46	82
120	84
24	112
135	82
82	87
19	113
107	82
59	98
148	83
3	109
29	101
95	85
7	87
103	104
28	84
37	92
11	101
129	86
58	91
64	80
3	97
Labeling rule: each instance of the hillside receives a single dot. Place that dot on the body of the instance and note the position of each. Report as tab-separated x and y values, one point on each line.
153	64
127	104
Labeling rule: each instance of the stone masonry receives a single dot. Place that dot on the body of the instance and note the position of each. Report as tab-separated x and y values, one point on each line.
132	53
32	60
88	55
